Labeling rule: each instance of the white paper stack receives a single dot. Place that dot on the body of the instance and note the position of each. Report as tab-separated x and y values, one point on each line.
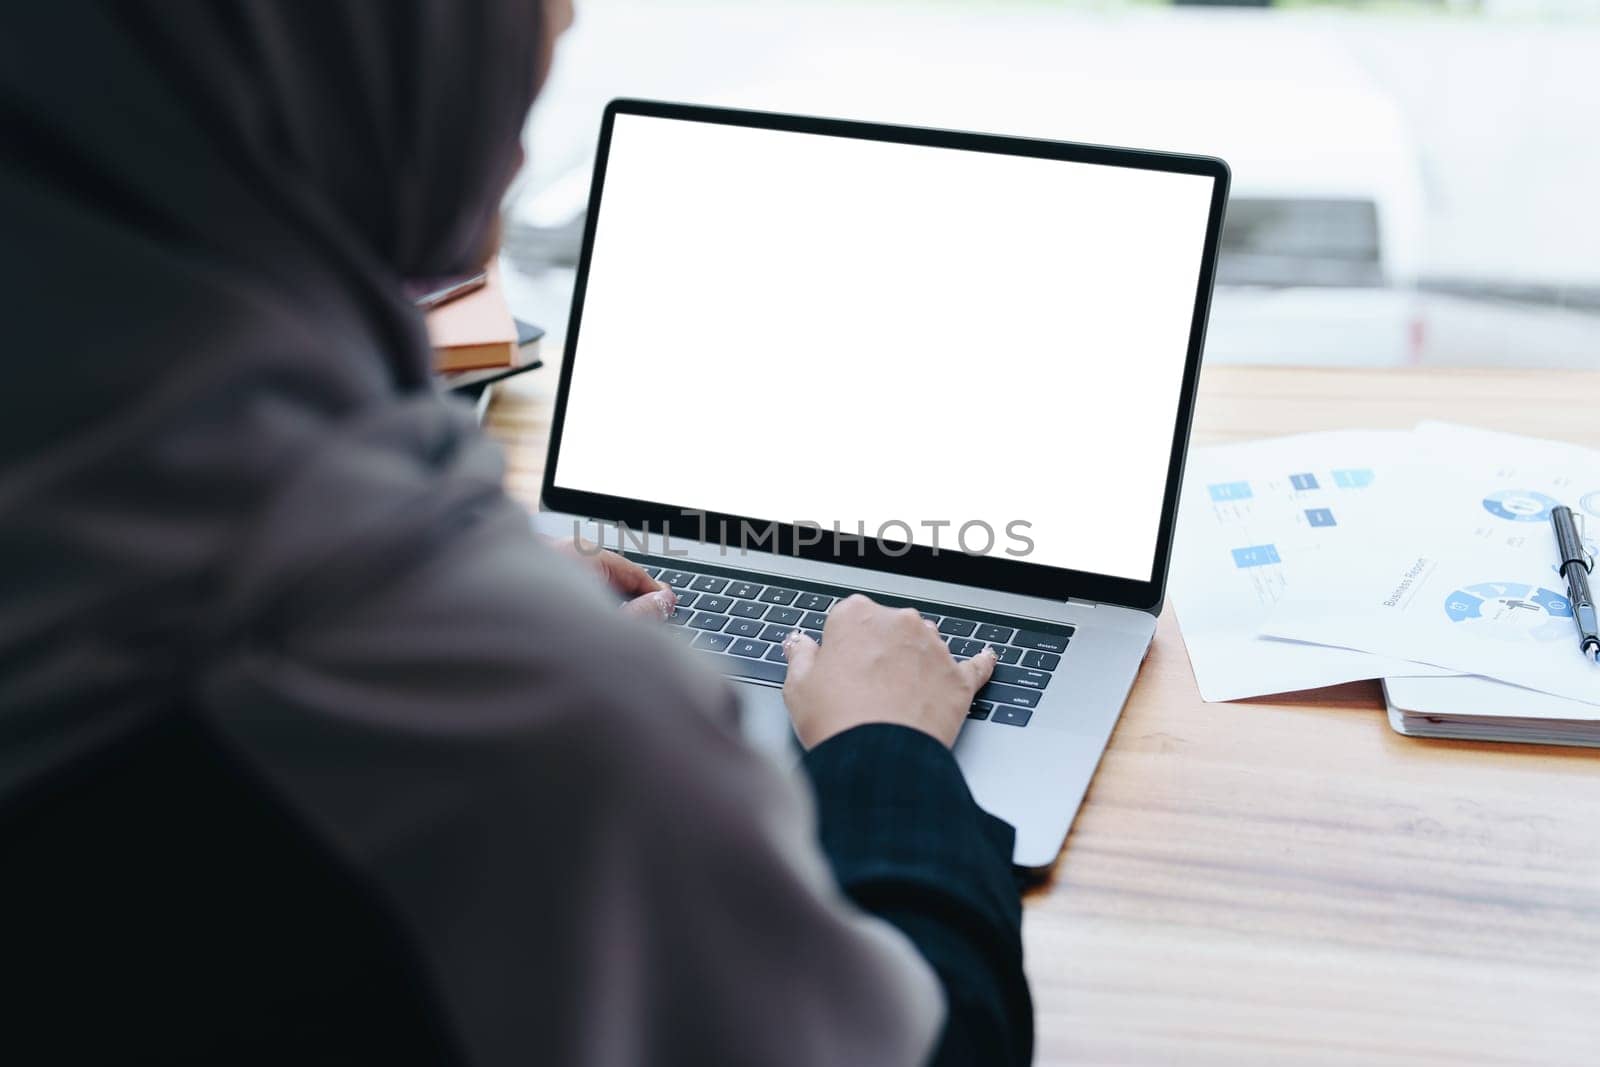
1473	708
1424	557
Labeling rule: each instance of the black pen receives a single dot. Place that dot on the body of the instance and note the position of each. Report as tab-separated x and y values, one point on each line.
1574	567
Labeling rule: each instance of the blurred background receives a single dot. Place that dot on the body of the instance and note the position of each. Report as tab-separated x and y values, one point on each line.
1414	181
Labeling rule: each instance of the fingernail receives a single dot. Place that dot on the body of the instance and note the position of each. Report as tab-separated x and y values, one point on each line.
791	638
995	652
665	602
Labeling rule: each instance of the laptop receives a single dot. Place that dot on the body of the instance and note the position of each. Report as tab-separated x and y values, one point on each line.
951	371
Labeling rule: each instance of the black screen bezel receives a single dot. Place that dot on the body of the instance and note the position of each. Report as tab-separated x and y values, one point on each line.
991	572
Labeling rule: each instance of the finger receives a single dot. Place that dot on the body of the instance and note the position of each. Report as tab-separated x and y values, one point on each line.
853	613
977	670
801	652
657	605
626	576
852	606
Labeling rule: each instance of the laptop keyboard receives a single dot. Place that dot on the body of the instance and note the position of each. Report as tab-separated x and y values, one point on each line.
738	622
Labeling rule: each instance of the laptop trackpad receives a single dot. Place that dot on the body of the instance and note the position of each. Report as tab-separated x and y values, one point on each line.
765	719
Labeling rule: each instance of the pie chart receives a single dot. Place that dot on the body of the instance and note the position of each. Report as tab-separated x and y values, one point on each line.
1510	611
1521	505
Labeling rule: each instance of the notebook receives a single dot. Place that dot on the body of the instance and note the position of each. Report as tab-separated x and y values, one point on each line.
1468	708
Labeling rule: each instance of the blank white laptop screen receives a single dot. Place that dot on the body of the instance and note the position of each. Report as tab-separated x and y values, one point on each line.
817	329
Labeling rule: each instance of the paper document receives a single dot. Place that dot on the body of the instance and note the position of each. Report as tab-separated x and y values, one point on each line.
1493	612
1256	518
1499	487
1462	574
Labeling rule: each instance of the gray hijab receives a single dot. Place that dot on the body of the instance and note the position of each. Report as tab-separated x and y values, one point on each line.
226	485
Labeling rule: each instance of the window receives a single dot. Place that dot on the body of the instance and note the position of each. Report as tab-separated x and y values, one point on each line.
1414	180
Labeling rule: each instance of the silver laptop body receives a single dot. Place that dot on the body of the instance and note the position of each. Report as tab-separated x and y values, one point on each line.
723	225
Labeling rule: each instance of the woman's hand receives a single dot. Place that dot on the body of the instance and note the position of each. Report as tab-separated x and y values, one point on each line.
878	664
643	595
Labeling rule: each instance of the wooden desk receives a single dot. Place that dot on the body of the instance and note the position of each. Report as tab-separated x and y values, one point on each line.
1286	880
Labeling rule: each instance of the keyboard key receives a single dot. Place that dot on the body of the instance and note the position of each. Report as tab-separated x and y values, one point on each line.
783	616
651	571
1042	642
705	620
774	595
980	709
715	603
744	646
1007	654
744	590
813	602
686	599
676	579
777	654
994	635
776	633
1044	661
715	642
962	646
1012	716
749	609
707	584
815	635
745	627
1010	694
680	616
684	634
931	618
813	620
958	627
1017	676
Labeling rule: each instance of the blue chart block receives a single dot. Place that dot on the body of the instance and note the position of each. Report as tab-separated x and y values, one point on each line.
1303	481
1255	556
1463	605
1320	517
1553	603
1353	479
1229	491
1520	505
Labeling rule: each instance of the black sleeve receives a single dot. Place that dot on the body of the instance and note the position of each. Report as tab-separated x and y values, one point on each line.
908	844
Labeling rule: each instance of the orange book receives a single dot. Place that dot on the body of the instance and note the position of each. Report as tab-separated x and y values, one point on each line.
474	331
